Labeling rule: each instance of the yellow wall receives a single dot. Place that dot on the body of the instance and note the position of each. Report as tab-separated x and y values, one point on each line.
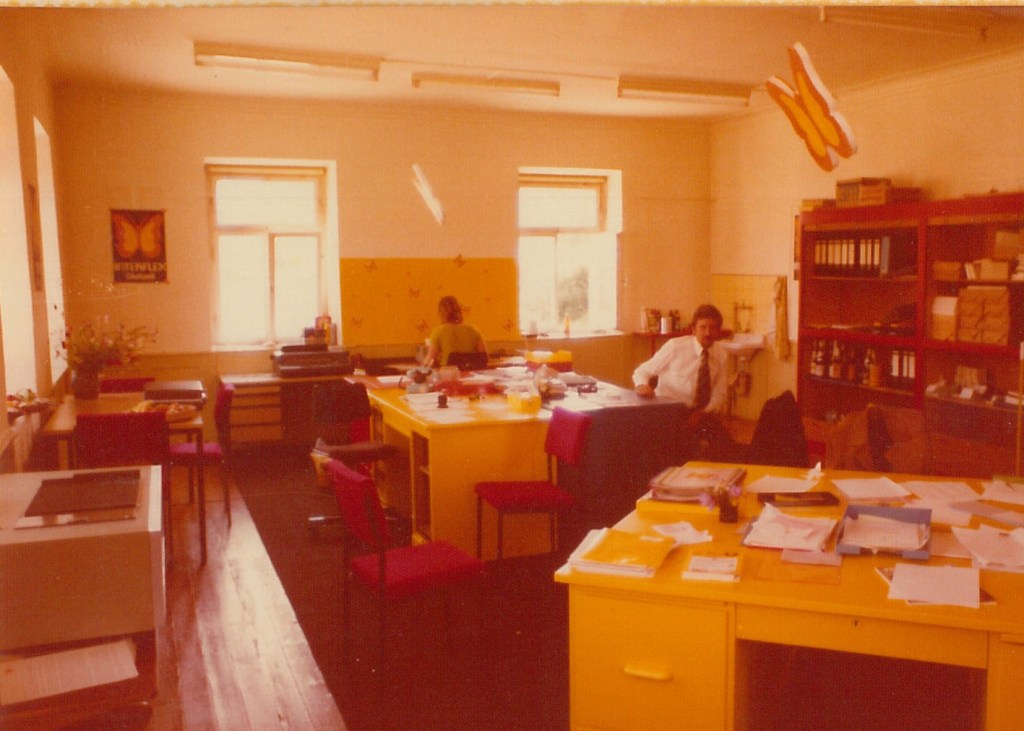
387	301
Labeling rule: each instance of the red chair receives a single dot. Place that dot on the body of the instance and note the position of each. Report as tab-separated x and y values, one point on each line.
566	438
185	454
125	384
126	439
390	572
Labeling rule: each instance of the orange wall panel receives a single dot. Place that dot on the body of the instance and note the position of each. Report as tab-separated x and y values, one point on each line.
386	301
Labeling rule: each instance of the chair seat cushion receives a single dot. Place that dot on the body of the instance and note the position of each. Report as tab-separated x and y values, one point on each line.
527	496
414	569
186	451
358	452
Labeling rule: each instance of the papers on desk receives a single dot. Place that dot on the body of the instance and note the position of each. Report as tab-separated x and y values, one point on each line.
771	483
687	484
939	497
712	567
620	553
683	533
923	584
775	529
1004	492
896	530
994	549
40	676
870	489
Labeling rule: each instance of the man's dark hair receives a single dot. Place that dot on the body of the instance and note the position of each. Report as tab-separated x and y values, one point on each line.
707	312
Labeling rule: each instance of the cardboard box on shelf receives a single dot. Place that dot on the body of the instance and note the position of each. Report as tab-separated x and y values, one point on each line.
944	311
946	271
862	192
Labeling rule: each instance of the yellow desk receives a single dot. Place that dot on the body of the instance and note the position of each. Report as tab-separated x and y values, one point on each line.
668	653
445	453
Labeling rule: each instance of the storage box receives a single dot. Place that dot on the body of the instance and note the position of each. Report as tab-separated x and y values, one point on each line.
862	192
182	392
944	318
946	271
991	269
917	516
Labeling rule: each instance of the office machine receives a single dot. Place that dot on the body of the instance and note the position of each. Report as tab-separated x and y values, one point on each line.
297	361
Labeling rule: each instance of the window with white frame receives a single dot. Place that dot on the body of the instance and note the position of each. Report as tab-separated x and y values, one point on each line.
269	237
569	222
19	353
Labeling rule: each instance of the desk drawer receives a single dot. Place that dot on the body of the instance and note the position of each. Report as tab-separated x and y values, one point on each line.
651	664
865	635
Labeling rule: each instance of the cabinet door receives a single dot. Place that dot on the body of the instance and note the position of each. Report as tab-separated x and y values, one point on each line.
1005	679
637	662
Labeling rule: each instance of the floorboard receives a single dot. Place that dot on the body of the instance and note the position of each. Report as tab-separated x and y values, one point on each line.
232	654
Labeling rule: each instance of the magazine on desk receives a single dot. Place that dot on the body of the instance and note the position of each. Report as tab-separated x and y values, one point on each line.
620	553
687	484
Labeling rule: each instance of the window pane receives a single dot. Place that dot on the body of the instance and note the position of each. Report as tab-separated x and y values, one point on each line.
296	296
247	202
554	207
244	286
537	281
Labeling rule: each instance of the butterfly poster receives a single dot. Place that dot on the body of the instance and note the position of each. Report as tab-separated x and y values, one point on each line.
138	241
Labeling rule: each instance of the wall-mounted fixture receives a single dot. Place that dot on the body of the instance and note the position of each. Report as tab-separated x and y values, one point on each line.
956	22
287	62
509	84
684	90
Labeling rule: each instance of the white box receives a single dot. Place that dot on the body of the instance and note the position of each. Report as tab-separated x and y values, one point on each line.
81	581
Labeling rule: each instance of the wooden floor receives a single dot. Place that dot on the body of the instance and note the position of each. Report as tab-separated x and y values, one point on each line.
232	654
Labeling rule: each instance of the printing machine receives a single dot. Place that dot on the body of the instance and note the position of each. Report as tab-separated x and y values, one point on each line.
298	361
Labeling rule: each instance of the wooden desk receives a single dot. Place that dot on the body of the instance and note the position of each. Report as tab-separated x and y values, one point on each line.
674	654
65	586
60	427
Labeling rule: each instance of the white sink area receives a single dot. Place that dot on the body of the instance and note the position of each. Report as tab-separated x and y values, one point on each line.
743	345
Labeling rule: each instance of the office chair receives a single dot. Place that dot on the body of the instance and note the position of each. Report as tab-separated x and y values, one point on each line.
390	573
565	441
778	438
124	384
473	361
126	439
187	455
342	409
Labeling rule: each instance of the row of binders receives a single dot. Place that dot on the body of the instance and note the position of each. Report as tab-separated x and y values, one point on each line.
847	257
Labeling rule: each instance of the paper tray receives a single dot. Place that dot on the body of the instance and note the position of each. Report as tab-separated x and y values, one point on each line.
921	516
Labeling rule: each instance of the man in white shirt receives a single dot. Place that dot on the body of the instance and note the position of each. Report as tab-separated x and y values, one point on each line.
678	364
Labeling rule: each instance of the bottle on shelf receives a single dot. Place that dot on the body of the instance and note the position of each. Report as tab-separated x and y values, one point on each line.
835	363
817	359
851	365
872	369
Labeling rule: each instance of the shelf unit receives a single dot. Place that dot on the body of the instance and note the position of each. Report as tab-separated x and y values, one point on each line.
874	276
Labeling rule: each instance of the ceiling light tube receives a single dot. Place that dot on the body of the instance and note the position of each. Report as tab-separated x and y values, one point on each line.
962	25
287	62
512	85
684	90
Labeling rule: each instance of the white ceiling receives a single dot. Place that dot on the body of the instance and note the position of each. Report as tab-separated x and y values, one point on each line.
584	46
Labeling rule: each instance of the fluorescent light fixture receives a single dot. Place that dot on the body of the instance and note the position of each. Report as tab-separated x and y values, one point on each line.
508	84
956	22
286	62
684	90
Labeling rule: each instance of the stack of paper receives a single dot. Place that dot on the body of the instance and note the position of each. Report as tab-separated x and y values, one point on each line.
922	584
621	553
880	533
775	529
994	549
875	489
712	567
687	484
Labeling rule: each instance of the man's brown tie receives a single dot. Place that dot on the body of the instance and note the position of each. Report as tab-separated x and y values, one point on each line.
703	393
